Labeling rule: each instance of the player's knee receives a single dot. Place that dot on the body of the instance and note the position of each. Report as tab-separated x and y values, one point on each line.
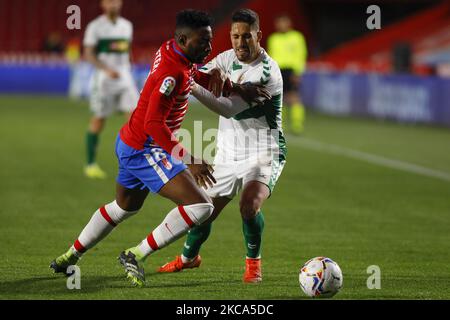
199	212
249	209
118	214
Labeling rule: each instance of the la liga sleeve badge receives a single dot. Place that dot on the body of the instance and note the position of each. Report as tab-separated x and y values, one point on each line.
167	86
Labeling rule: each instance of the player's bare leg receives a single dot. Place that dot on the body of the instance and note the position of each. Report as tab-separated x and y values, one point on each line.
130	199
195	238
92	170
194	208
128	202
252	199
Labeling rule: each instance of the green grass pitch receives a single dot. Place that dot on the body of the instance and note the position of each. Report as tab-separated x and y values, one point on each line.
325	204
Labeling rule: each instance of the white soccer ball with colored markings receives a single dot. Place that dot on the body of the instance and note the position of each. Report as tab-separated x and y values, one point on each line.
320	277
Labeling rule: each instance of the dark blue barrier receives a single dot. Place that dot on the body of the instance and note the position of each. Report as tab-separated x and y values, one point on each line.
59	78
34	78
402	98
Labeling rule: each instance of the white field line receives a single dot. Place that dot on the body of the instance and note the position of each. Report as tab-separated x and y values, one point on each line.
369	158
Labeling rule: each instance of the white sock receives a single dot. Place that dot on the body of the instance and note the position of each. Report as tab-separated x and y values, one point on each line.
101	224
186	260
175	225
75	252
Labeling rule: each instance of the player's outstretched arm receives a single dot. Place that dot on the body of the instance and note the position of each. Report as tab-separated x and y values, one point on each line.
233	104
251	93
224	106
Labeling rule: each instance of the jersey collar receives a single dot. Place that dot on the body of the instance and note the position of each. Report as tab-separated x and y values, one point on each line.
262	55
105	16
180	53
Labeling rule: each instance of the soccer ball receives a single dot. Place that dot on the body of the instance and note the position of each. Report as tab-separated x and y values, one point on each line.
320	276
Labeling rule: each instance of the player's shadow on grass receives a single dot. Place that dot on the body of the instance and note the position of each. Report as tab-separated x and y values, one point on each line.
157	280
32	286
43	286
55	286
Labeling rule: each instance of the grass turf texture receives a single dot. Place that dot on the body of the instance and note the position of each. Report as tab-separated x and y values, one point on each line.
357	213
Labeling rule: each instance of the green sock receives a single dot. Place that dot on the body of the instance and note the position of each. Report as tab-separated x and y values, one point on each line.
195	239
91	144
253	229
138	253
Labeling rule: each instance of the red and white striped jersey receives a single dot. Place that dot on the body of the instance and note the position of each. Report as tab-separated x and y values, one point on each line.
163	102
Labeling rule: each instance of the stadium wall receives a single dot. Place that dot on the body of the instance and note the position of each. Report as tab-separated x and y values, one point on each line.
54	78
18	78
403	98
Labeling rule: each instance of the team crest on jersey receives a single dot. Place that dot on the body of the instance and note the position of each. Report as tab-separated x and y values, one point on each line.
166	163
167	86
236	66
120	46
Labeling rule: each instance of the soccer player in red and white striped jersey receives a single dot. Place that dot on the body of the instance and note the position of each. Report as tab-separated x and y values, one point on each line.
150	156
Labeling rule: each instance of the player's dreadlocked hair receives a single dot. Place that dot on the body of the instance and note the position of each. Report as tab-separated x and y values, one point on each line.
246	15
193	19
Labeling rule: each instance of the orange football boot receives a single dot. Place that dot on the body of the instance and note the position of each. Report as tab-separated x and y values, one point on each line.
253	273
177	265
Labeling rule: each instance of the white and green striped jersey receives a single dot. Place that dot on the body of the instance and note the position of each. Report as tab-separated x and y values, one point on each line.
111	40
257	129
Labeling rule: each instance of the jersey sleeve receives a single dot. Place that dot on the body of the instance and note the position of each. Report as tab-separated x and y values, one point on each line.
160	104
202	78
224	106
275	82
271	78
221	62
90	36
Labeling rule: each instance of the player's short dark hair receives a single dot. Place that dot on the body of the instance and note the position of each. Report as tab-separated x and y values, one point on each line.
193	19
282	16
247	16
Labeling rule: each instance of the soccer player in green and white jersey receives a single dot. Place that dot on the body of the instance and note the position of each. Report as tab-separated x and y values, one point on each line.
107	43
251	148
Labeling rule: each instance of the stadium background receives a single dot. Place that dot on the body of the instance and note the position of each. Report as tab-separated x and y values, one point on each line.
366	184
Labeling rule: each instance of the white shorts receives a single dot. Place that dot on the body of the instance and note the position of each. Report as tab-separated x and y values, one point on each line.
109	96
233	175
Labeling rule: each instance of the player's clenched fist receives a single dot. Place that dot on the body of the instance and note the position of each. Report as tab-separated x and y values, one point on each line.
252	93
216	82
